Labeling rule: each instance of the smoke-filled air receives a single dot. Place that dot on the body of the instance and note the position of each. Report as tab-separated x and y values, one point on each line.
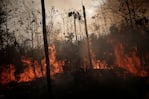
65	49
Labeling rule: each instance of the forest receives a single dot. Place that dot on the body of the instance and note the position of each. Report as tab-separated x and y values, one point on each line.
46	52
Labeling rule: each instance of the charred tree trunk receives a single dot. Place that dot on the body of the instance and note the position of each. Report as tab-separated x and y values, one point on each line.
134	14
129	12
46	48
88	46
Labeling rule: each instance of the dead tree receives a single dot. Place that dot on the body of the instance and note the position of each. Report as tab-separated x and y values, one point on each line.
46	48
86	30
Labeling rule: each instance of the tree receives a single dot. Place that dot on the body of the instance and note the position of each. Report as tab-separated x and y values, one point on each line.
86	30
7	37
132	11
76	15
46	48
69	37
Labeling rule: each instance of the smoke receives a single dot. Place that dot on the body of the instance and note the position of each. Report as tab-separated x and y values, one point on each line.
67	4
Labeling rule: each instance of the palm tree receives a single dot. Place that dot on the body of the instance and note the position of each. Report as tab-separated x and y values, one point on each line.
76	15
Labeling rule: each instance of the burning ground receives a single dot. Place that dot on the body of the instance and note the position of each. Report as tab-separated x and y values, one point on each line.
117	69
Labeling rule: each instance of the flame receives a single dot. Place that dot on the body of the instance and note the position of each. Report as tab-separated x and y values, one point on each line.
29	73
98	64
129	62
55	65
7	74
32	68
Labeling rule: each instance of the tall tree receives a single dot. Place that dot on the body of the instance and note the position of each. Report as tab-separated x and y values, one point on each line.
7	37
76	15
86	30
46	49
133	12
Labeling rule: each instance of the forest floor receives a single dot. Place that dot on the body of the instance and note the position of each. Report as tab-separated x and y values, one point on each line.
97	84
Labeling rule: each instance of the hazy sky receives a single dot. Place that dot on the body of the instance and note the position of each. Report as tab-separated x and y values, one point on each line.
73	4
66	4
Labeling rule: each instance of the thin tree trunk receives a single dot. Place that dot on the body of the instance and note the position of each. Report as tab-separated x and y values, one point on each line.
129	11
88	46
34	67
134	12
46	49
75	28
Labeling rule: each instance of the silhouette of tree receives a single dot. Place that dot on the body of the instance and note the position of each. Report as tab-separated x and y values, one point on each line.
46	48
75	15
69	37
87	37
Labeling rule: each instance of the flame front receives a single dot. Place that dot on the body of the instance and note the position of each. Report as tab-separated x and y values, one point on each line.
129	62
32	69
7	74
98	64
55	65
30	72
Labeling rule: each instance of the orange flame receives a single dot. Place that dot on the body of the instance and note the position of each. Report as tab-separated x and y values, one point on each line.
98	64
130	62
32	69
55	65
7	74
29	73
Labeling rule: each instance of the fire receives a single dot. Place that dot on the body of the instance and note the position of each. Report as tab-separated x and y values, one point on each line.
32	68
7	74
55	65
129	62
98	64
29	73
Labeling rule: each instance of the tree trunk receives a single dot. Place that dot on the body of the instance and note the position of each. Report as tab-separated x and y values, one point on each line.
129	12
46	49
88	46
75	28
134	12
